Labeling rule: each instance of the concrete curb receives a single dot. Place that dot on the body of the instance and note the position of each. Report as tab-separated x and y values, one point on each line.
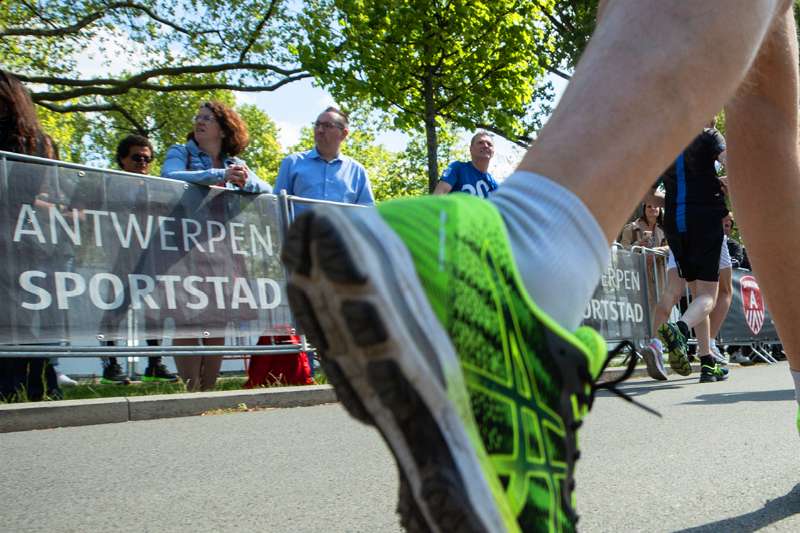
189	404
67	413
46	415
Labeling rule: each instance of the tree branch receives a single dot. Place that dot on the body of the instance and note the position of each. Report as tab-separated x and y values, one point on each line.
98	108
559	73
564	27
92	17
110	87
258	29
225	86
35	9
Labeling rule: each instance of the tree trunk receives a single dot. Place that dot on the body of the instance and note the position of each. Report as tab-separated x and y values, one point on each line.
432	141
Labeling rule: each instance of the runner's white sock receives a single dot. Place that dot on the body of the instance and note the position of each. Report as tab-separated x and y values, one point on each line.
558	245
796	377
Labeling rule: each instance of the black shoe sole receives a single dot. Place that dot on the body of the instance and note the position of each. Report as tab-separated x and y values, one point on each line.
375	349
677	358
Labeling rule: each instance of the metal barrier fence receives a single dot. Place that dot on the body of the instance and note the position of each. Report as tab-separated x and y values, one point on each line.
637	279
93	256
623	303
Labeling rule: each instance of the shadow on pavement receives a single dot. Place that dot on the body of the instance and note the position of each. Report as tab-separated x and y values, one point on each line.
640	389
736	397
773	511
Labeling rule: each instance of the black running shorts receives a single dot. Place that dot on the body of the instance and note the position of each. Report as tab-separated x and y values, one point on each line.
697	253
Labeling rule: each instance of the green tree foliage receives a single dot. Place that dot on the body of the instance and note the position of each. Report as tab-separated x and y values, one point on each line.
164	118
570	24
410	177
470	63
165	45
68	132
380	163
391	174
264	153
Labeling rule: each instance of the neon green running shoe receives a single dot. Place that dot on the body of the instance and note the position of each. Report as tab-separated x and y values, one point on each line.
426	332
677	348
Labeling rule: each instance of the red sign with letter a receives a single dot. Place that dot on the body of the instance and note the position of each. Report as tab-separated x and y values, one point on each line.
752	303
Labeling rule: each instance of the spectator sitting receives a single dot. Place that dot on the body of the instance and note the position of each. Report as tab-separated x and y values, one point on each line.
134	155
323	173
208	157
471	177
646	230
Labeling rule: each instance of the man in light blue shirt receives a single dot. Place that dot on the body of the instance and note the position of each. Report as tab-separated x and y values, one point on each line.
324	173
471	176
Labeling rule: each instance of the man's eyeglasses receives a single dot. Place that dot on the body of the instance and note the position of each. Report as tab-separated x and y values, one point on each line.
138	158
327	125
204	118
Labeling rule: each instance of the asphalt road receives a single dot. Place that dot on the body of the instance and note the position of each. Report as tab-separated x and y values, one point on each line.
724	457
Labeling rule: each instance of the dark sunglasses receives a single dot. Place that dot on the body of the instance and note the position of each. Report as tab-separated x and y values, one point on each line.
138	158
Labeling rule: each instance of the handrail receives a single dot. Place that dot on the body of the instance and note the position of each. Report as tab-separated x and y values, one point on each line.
76	166
148	351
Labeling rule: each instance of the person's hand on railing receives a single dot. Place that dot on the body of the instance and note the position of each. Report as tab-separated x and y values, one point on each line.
236	174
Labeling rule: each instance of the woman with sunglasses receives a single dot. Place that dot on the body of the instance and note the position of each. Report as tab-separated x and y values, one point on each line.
209	155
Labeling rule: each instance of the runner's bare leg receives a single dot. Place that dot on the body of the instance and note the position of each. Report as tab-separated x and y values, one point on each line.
724	297
676	288
633	102
764	175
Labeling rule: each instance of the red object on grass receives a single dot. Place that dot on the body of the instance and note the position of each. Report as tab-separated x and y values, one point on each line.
286	369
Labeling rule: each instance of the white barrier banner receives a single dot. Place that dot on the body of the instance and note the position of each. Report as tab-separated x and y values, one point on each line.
619	306
91	255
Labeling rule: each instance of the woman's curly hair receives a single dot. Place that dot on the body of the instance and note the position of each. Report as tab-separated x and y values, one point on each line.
236	137
21	132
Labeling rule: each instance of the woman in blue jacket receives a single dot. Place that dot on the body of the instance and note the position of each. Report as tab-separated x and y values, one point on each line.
209	158
209	155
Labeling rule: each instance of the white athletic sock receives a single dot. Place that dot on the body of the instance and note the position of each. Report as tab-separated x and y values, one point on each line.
559	247
796	377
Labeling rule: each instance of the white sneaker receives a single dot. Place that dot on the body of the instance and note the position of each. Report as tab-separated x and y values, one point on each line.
653	357
655	342
719	357
64	380
741	359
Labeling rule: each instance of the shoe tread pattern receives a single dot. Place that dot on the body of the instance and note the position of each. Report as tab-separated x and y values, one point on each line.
441	489
672	339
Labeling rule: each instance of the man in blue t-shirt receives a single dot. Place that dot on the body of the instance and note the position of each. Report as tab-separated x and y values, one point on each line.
471	177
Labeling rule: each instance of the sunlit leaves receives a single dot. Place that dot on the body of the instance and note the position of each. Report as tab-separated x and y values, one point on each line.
470	62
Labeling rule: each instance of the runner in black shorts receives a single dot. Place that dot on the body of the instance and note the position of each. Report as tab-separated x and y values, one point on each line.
694	208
